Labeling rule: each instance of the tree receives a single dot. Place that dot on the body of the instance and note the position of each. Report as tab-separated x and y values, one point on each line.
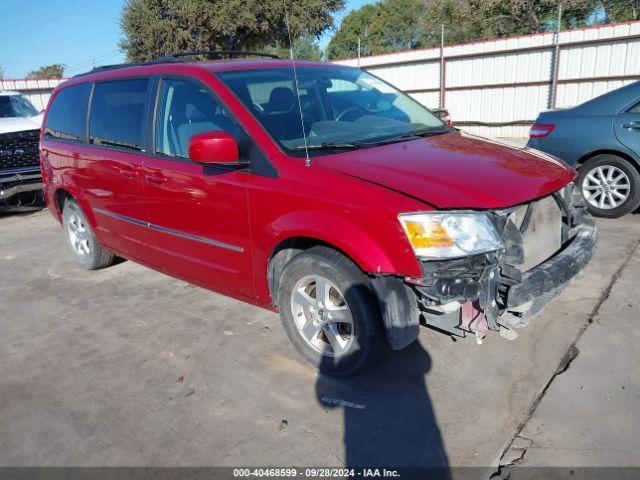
386	26
49	71
621	10
472	20
1	73
153	28
355	25
304	48
395	25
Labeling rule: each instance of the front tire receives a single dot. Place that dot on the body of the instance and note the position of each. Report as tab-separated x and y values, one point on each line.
85	249
610	186
330	312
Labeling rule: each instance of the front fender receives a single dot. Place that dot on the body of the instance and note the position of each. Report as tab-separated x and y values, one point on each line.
380	250
360	245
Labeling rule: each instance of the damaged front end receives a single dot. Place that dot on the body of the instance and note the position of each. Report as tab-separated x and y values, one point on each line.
544	244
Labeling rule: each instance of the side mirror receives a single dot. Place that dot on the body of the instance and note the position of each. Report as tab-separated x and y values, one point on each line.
215	147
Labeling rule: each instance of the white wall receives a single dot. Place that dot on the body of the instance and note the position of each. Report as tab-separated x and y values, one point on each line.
510	80
37	91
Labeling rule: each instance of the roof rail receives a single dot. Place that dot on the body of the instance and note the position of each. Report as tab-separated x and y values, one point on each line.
102	68
179	57
229	53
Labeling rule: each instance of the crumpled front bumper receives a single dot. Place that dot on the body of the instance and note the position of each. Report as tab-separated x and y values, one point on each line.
558	270
472	295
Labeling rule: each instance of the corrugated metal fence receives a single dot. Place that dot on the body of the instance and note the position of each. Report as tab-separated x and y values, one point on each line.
498	87
37	90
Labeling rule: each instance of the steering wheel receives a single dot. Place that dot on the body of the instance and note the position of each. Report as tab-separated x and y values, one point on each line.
350	110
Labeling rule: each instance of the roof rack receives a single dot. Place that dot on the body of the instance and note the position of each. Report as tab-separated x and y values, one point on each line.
229	53
179	57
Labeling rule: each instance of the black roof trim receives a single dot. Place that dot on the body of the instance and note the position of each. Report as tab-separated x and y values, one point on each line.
179	57
229	53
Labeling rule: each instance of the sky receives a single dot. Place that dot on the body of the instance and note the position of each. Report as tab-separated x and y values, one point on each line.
76	33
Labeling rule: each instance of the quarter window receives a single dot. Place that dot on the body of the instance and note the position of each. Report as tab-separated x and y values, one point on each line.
185	110
118	111
67	117
635	108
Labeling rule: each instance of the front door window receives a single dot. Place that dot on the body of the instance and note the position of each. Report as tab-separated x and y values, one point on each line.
185	110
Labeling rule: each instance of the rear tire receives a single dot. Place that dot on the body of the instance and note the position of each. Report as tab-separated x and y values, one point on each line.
610	186
330	312
85	249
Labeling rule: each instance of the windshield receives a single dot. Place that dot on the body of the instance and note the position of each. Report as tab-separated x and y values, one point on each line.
342	108
16	106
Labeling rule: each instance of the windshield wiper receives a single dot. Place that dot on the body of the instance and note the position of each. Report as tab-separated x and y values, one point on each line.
329	146
422	132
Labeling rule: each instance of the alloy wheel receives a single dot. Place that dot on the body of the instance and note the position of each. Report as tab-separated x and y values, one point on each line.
78	235
606	187
322	316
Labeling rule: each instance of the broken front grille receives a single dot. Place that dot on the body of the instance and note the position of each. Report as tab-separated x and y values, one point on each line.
540	224
19	149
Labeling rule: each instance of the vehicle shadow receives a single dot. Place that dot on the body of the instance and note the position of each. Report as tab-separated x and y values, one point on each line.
389	420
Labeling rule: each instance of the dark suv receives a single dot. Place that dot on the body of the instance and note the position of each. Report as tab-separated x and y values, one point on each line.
318	191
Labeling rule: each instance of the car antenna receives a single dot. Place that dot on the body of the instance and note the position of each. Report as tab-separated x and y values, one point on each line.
307	162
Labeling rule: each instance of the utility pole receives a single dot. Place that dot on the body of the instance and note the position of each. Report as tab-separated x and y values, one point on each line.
442	67
358	52
556	61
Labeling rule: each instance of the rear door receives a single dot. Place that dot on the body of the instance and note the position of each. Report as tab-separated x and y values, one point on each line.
627	128
112	181
198	214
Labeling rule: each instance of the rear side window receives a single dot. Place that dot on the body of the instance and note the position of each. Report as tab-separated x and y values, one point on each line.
67	117
118	112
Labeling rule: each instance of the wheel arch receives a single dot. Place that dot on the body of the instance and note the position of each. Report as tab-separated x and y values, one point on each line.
374	250
61	196
64	193
609	151
396	303
288	248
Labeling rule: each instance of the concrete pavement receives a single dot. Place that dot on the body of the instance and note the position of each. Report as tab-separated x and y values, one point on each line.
126	366
589	415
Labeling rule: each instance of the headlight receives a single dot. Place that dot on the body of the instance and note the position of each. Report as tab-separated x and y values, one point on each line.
450	234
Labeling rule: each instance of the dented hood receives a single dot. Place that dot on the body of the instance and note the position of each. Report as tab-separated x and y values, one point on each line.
456	170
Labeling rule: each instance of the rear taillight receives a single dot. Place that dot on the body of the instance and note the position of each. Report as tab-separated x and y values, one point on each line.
541	130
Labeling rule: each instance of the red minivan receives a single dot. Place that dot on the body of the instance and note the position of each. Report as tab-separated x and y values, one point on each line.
312	189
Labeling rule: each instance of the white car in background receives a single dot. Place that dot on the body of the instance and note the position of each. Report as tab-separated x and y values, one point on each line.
20	177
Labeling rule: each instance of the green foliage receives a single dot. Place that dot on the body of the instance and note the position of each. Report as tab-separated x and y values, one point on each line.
156	27
355	25
621	10
49	71
386	26
396	25
304	48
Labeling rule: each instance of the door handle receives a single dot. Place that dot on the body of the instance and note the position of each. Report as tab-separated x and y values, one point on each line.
632	126
129	174
157	179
